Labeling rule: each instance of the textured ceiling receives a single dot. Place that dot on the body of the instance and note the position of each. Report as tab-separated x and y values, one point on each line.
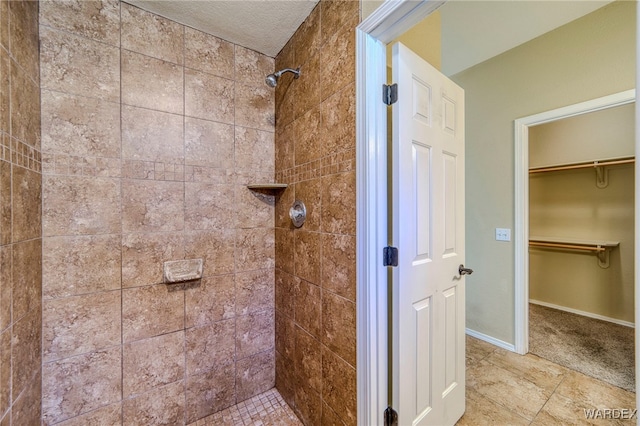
261	25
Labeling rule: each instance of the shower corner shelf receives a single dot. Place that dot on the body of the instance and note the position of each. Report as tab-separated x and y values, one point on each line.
601	248
267	186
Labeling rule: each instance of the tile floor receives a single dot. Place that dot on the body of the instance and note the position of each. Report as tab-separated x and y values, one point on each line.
503	388
266	409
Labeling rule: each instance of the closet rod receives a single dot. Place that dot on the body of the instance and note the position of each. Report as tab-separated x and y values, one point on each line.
595	248
583	165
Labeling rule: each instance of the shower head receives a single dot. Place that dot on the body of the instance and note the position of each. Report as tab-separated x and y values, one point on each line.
272	79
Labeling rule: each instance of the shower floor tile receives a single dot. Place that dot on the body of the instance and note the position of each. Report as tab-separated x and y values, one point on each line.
266	409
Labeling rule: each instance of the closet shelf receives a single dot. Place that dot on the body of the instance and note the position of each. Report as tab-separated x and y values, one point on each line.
267	186
601	248
602	175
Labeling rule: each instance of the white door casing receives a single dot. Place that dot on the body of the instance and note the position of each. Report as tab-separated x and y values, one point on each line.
428	229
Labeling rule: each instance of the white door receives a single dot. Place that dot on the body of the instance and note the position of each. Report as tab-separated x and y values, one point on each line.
428	357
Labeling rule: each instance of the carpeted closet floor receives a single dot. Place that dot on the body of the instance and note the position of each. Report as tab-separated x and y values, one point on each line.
599	349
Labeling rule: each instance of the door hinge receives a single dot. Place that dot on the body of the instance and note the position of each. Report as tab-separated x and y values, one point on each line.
390	93
390	256
390	417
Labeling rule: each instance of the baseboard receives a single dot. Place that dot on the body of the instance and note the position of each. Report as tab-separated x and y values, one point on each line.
583	313
492	340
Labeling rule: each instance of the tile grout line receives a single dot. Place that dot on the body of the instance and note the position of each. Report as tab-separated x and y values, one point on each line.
550	396
184	214
121	219
498	402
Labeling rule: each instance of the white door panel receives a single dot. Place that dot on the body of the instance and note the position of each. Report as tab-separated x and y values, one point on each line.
422	219
428	229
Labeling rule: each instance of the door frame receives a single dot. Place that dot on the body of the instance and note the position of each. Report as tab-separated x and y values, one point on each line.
521	225
386	23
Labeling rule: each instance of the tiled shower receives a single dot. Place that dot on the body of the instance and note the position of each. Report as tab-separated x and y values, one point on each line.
137	150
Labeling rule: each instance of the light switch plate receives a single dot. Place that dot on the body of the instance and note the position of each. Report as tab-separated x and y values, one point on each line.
503	234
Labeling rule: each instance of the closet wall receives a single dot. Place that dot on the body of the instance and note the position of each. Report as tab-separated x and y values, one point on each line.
568	204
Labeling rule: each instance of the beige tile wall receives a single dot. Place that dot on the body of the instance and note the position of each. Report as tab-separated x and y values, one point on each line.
315	264
151	131
20	215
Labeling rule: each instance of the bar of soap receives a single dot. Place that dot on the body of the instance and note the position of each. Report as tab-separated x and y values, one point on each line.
176	271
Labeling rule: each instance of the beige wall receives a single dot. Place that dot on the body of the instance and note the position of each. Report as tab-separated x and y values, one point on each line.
369	6
150	132
20	215
315	264
591	57
569	204
598	135
424	39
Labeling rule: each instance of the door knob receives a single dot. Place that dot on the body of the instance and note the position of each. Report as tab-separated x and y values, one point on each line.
464	271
